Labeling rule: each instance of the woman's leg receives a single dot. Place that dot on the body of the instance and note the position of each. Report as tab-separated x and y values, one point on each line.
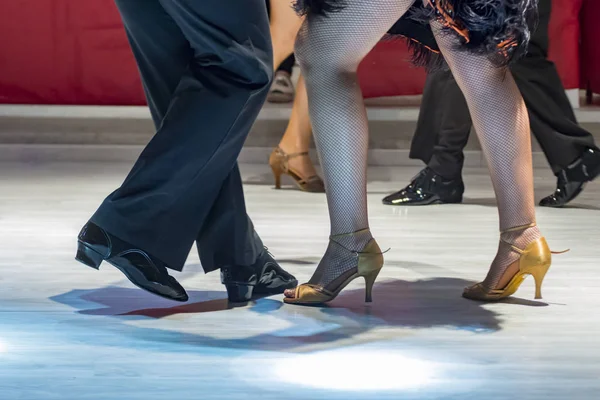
285	24
502	124
329	50
298	134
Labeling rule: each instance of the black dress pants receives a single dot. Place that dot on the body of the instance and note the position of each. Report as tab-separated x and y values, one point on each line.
445	123
206	68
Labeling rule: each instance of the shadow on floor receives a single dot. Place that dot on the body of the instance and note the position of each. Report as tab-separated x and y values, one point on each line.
431	303
119	301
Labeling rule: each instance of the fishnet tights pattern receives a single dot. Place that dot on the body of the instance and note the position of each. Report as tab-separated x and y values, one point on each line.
330	49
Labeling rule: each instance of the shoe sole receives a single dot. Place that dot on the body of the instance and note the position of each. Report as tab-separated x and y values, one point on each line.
429	203
91	258
242	293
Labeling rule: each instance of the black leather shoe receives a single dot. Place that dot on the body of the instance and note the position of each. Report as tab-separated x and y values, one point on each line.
572	180
264	278
146	272
428	188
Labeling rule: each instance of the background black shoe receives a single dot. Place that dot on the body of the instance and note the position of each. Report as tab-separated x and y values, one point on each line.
428	188
264	278
143	270
572	180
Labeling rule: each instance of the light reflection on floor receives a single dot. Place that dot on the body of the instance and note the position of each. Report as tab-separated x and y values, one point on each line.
356	370
69	332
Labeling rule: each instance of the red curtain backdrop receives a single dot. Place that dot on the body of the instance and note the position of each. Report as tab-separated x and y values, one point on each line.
65	52
565	35
590	46
386	71
76	52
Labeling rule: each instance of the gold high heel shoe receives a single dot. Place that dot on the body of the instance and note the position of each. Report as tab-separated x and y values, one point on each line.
370	262
534	260
279	162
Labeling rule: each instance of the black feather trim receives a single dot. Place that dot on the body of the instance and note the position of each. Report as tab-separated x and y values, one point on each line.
500	29
320	7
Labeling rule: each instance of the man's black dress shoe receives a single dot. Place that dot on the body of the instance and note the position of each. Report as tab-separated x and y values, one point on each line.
428	188
143	270
572	180
264	278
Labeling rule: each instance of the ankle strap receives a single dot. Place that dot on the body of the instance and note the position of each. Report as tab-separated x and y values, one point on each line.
516	229
519	228
356	253
349	234
291	155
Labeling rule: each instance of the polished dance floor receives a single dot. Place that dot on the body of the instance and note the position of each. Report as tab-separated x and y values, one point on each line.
70	332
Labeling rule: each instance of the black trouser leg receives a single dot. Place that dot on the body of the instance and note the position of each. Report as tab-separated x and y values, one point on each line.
553	122
443	127
552	119
232	234
164	203
228	237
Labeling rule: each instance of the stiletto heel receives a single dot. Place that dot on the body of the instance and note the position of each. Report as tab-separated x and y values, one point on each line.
279	162
370	263
538	287
277	175
538	275
88	256
369	282
534	260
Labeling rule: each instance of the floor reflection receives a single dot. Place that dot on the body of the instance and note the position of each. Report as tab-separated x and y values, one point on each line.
399	304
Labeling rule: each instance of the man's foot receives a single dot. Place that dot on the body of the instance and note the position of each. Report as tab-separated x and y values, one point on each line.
143	270
428	188
264	278
282	88
572	180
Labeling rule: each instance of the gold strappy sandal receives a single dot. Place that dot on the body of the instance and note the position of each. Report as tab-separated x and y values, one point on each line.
279	162
534	260
370	263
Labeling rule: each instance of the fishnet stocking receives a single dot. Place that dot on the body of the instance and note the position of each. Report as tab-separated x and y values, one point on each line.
329	50
502	124
499	275
340	256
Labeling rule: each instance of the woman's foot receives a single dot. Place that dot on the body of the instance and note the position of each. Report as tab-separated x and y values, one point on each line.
299	166
522	251
348	257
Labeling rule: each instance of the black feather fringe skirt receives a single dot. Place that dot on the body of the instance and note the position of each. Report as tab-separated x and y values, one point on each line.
498	29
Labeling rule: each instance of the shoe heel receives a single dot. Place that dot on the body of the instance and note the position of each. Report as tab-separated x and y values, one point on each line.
88	256
277	175
538	275
238	293
369	282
